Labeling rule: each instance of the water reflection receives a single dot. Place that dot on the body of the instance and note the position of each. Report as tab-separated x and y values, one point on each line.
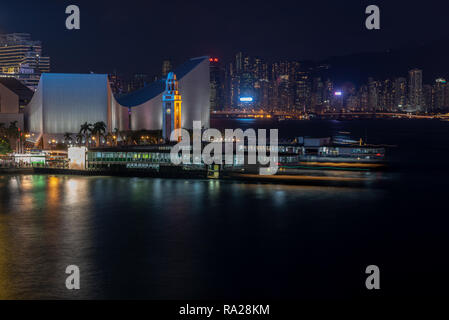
146	238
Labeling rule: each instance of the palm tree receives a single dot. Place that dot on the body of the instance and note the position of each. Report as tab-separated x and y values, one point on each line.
85	129
99	128
68	137
13	130
4	146
79	138
13	133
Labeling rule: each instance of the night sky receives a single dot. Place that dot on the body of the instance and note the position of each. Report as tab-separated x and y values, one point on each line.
132	36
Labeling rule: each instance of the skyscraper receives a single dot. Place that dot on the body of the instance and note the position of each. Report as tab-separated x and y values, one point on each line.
303	92
238	62
400	93
427	97
386	96
166	68
440	95
216	85
21	58
117	84
415	89
138	81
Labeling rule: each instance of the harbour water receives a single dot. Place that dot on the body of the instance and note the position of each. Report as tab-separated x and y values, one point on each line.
200	239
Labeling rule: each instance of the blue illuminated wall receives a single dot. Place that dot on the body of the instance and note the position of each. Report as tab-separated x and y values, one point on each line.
62	102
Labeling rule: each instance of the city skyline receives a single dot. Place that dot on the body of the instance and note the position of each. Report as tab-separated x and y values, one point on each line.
287	31
251	82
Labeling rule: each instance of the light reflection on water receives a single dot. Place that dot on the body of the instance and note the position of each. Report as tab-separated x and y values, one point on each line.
144	238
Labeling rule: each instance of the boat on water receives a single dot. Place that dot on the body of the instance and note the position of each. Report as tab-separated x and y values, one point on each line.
331	153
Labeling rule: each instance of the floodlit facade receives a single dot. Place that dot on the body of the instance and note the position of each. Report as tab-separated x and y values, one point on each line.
62	102
194	87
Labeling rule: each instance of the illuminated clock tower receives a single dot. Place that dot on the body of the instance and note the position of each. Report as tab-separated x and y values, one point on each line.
171	107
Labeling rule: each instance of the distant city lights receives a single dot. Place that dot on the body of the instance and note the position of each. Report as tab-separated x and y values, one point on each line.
246	99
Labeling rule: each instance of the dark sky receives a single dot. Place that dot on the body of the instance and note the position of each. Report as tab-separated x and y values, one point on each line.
134	36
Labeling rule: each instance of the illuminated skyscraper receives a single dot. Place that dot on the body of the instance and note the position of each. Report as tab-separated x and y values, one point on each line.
238	62
138	81
303	92
216	85
386	96
364	98
21	58
116	83
373	94
415	89
400	93
440	90
427	98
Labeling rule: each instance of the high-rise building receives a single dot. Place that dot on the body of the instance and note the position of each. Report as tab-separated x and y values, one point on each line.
318	89
117	84
228	91
328	91
238	62
440	95
364	98
216	85
427	98
246	85
303	92
386	98
138	81
21	58
400	93
415	89
166	68
373	94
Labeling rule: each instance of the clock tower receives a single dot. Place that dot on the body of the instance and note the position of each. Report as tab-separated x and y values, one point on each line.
171	107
